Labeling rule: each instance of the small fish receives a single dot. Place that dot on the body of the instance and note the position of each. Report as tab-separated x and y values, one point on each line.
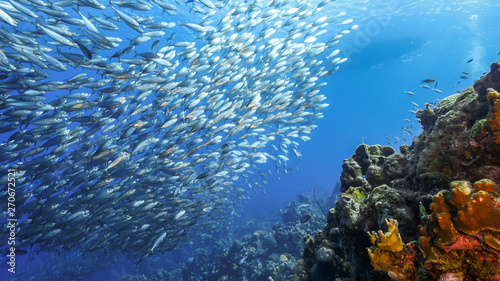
464	77
164	118
410	93
437	90
242	260
8	19
194	27
179	214
158	241
437	83
155	44
469	60
305	218
465	72
84	50
123	52
428	81
425	86
346	22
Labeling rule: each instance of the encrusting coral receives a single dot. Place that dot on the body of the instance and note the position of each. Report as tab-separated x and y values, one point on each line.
462	234
478	208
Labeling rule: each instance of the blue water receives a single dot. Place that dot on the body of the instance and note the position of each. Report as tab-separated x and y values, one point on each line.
396	46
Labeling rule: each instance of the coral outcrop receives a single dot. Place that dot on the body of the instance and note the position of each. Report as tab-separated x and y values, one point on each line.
368	200
427	183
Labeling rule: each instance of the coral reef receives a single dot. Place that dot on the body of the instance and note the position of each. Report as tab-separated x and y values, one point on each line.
255	256
262	255
427	183
260	252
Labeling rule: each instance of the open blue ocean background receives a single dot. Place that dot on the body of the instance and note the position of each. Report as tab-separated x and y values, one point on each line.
397	45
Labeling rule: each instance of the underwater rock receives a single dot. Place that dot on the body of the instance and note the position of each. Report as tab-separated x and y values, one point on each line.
349	205
457	146
394	166
427	117
366	167
490	80
351	175
324	255
459	239
311	265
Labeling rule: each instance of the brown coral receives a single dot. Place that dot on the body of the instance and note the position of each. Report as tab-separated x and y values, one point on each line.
480	211
462	234
493	119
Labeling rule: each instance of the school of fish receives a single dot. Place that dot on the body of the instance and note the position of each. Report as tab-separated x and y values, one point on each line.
143	144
